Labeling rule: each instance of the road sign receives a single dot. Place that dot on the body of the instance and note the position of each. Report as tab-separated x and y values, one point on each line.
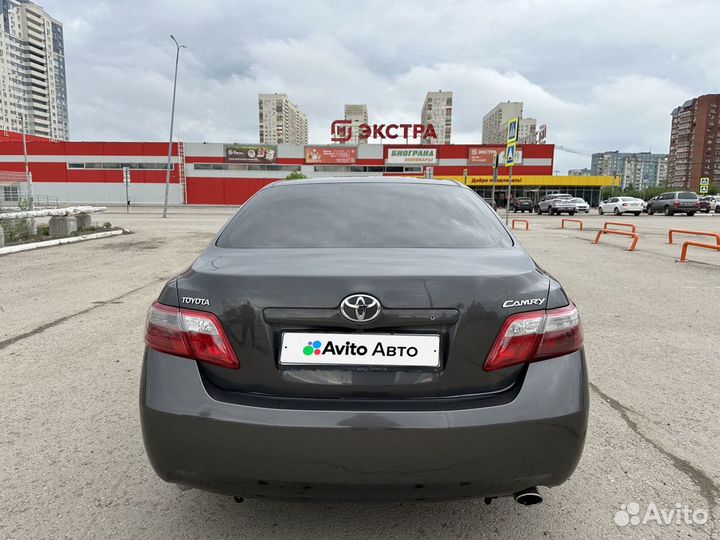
513	128
704	181
510	154
703	189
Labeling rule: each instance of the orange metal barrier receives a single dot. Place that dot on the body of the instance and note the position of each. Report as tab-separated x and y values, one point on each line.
686	245
562	223
525	221
620	224
716	236
633	235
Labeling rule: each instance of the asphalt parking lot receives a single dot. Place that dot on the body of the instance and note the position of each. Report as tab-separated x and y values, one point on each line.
73	463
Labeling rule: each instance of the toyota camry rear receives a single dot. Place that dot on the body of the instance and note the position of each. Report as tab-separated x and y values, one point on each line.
376	338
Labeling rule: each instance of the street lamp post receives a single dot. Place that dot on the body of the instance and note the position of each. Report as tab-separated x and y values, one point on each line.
28	178
172	122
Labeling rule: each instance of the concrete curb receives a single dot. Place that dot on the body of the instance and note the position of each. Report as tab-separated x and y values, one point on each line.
60	241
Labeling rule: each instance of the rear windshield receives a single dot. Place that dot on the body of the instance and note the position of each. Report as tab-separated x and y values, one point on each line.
628	198
687	195
365	215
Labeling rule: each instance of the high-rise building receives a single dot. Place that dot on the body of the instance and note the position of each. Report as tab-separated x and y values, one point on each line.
356	114
494	123
695	142
33	89
437	110
635	170
281	121
579	172
527	130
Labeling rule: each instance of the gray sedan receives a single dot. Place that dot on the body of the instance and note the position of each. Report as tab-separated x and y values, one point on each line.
373	338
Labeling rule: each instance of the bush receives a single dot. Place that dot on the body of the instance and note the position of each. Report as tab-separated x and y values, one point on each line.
295	175
16	230
107	225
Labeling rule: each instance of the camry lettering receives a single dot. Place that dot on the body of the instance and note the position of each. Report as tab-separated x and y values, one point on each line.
195	301
528	302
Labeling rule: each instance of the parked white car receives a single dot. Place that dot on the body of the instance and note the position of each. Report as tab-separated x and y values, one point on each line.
712	203
580	205
621	205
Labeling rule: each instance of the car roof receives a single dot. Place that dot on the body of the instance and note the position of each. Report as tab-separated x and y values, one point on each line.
367	180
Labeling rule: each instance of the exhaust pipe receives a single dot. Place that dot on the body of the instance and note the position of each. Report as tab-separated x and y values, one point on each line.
528	497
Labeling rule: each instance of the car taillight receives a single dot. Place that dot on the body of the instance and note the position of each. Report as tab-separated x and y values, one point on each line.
676	203
625	204
537	335
191	334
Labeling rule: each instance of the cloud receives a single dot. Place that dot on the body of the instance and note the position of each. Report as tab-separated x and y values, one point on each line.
601	75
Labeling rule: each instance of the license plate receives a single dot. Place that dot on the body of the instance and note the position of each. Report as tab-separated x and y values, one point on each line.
399	350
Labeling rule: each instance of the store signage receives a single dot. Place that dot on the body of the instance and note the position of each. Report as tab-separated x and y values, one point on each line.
342	131
244	153
482	156
417	156
330	154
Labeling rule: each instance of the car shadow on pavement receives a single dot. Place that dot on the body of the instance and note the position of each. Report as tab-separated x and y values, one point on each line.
305	519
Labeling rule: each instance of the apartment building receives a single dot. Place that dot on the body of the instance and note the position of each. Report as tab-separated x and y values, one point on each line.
634	169
494	123
437	110
695	142
527	130
281	121
357	114
33	88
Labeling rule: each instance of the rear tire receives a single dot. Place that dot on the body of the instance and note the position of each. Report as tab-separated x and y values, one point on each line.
667	211
616	211
717	209
600	211
691	214
636	213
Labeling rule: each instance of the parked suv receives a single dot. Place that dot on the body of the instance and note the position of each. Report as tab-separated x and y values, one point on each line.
711	202
556	203
673	202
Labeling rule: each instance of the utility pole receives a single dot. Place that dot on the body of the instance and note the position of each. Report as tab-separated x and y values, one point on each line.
510	150
172	122
495	175
28	178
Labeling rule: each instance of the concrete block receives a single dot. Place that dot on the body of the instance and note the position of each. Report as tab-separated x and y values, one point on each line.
62	226
84	221
2	237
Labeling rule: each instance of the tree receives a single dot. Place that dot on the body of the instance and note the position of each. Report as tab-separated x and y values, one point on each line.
295	175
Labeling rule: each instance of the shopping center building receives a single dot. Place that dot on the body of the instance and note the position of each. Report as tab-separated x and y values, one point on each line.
215	173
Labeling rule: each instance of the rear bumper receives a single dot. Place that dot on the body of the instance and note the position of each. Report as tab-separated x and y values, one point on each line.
249	451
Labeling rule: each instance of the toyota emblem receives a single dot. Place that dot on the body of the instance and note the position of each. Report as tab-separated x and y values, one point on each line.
360	308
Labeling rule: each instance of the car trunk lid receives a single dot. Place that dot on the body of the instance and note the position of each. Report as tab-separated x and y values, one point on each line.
461	295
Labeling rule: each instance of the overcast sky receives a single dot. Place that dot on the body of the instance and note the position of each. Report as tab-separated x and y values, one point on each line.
602	75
